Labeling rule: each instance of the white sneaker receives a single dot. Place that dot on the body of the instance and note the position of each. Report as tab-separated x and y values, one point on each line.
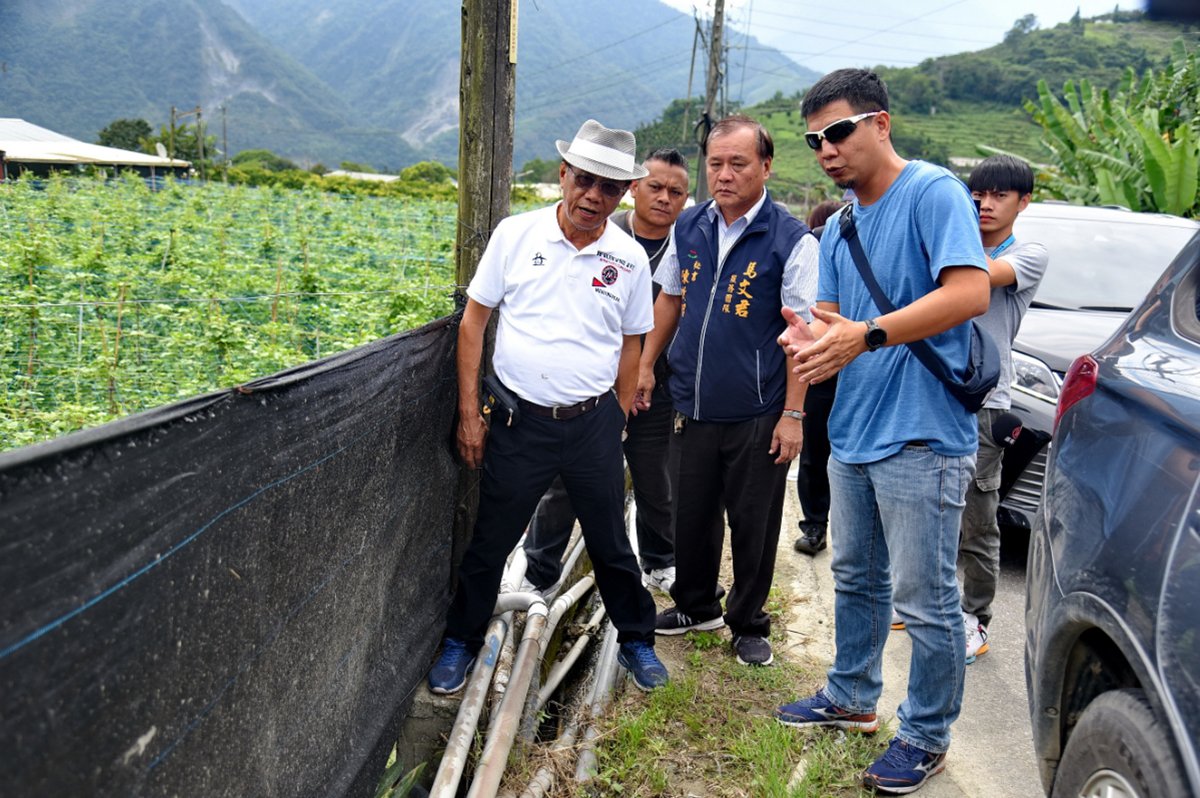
977	636
660	579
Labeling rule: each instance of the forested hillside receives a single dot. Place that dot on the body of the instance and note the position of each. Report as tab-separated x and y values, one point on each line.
945	108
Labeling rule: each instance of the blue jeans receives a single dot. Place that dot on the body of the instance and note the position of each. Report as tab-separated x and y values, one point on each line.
895	536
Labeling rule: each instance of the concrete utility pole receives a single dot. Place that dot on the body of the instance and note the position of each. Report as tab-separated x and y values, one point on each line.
711	88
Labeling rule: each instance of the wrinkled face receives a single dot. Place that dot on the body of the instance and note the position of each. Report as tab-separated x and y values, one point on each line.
659	196
858	155
998	209
587	199
736	173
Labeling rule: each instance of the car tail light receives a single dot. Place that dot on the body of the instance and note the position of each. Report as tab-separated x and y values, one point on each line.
1079	384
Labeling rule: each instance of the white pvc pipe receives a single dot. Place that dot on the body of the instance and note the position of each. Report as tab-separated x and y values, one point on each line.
499	743
606	675
561	668
462	734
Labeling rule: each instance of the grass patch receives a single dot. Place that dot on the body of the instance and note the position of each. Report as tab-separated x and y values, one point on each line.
711	731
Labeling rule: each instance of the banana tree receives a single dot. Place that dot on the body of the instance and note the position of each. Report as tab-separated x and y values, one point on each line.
1138	147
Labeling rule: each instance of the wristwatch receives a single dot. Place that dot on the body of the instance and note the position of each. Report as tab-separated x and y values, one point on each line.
875	336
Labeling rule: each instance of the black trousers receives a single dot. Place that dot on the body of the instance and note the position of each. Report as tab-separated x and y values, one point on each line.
646	451
519	463
812	477
727	469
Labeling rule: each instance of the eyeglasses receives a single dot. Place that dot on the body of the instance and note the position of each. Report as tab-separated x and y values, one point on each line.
836	132
584	182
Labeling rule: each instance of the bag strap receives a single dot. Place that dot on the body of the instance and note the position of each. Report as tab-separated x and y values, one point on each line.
923	351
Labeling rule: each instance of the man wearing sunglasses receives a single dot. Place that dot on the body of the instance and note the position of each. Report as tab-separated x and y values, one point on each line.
732	264
573	294
903	447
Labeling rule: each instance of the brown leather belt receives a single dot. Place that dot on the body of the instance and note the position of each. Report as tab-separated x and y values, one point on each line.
566	412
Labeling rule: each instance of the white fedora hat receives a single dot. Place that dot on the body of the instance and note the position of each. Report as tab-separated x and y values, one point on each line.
603	151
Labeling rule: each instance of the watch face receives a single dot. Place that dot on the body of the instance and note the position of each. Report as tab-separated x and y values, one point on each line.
876	336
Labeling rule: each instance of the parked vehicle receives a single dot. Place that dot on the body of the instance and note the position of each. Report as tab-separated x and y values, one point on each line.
1102	262
1112	655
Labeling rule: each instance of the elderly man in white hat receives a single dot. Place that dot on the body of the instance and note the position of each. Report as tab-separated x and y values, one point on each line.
573	294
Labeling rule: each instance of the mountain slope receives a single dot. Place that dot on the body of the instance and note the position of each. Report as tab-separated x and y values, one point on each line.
75	65
373	81
396	62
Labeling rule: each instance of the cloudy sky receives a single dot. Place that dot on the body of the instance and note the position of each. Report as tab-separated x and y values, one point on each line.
828	35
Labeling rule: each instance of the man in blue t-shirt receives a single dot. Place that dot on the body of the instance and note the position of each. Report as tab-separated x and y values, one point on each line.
903	448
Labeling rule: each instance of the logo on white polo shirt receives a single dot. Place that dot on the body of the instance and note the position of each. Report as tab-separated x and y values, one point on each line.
611	259
539	259
608	276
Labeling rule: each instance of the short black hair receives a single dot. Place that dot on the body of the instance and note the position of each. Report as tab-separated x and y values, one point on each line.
1002	173
668	155
861	88
764	144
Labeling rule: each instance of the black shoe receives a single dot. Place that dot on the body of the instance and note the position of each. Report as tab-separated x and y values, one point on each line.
752	650
810	544
673	622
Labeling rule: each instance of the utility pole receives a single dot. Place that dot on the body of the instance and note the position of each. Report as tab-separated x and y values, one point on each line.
711	89
224	145
687	109
487	88
176	115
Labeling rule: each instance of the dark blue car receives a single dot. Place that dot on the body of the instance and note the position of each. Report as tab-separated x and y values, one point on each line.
1112	655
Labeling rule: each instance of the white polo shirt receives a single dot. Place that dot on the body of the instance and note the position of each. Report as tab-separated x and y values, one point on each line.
564	312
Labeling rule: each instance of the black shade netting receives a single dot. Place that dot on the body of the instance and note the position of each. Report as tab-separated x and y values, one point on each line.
235	595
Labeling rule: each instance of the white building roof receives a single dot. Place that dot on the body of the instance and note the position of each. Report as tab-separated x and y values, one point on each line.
363	176
28	143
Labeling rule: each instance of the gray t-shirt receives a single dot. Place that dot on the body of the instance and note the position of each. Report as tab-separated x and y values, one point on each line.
1007	308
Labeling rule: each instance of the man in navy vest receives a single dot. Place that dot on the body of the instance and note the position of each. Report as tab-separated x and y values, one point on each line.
732	265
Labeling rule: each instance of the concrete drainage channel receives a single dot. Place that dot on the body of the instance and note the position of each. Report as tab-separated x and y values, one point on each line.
523	631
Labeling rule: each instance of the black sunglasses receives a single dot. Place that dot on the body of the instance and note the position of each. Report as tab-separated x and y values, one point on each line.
585	180
836	132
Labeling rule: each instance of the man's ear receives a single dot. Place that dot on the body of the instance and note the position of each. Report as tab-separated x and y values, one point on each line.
883	121
1024	203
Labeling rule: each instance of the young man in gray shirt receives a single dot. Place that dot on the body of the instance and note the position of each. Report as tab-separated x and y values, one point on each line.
1001	186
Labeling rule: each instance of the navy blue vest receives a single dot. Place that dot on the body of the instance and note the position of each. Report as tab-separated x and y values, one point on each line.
726	363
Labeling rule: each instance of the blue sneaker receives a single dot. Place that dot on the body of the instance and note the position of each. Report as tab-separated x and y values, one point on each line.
818	710
643	665
902	769
449	673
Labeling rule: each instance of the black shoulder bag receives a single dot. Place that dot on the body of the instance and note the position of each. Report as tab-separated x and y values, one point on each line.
983	366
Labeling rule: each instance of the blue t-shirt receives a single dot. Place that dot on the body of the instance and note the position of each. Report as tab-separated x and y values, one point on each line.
922	224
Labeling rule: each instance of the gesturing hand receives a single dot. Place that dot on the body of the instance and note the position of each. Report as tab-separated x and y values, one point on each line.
842	342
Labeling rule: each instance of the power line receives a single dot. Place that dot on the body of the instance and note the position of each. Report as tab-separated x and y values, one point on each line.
608	46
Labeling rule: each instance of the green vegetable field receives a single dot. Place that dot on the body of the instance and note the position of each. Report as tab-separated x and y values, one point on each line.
115	299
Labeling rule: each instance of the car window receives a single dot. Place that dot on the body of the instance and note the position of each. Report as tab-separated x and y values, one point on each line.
1101	263
1185	311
